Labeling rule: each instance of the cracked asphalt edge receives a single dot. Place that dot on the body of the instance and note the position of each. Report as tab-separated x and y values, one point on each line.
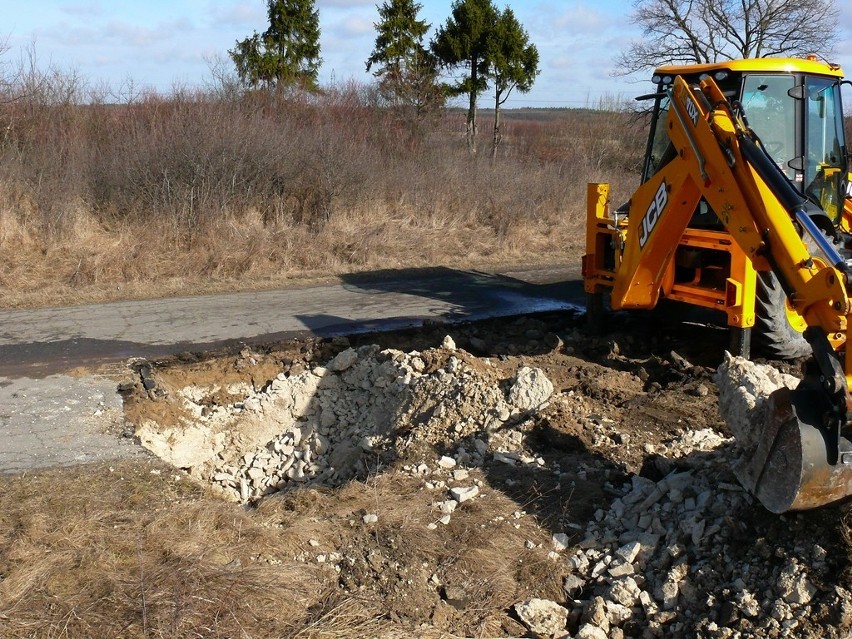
61	420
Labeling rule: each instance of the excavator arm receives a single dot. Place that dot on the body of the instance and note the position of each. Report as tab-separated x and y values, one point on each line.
803	458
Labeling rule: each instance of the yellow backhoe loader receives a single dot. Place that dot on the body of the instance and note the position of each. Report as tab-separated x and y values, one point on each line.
744	208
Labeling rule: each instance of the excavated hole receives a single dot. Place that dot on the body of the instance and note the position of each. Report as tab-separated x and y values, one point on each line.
613	449
342	419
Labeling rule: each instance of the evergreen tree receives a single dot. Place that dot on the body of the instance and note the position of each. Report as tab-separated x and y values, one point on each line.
287	53
513	65
464	41
399	35
407	72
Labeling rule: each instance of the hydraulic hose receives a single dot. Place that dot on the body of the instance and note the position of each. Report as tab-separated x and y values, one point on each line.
793	201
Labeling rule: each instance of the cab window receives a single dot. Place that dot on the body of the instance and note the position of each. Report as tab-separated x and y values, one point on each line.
660	153
771	113
824	137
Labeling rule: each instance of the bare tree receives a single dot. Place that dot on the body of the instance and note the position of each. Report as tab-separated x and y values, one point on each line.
8	78
697	31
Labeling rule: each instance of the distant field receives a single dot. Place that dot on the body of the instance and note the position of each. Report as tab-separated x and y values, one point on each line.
195	192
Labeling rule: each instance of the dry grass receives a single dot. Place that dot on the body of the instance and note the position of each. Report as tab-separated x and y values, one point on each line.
194	193
129	551
126	263
90	552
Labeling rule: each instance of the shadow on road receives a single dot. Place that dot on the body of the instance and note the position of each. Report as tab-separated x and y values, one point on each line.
392	299
538	289
459	296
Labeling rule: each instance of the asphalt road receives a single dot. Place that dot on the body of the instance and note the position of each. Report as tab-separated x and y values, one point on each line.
49	418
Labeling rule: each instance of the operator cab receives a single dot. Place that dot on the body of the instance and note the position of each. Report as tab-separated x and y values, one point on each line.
794	107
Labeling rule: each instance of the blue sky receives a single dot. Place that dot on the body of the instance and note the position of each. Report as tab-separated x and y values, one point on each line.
160	43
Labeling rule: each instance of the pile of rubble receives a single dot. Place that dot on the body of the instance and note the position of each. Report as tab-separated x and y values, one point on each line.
341	419
663	559
669	558
666	558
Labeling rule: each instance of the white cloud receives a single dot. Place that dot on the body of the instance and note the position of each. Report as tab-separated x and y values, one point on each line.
562	62
582	18
239	14
354	26
119	34
88	10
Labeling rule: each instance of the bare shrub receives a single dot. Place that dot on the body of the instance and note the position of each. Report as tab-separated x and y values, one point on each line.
178	189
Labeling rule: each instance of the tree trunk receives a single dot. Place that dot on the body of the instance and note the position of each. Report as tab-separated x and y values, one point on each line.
495	141
471	110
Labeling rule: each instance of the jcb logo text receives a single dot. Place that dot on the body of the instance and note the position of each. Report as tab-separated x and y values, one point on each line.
652	215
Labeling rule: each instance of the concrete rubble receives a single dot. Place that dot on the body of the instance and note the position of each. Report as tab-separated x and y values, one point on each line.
744	387
320	426
542	617
325	425
662	559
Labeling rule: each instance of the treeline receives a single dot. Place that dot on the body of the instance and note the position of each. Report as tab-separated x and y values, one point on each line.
485	47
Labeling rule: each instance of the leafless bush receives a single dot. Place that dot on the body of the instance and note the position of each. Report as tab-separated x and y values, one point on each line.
196	183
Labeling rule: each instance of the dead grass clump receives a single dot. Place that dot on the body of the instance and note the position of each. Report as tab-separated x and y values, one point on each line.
127	553
133	551
352	617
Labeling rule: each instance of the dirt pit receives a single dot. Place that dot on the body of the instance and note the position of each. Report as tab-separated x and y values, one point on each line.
459	476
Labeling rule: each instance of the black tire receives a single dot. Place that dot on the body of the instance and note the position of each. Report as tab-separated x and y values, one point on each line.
773	336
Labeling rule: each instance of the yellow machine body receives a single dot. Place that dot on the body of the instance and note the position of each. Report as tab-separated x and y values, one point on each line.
762	211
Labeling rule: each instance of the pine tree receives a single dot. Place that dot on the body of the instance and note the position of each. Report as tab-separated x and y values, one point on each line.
513	65
399	35
464	42
406	70
287	53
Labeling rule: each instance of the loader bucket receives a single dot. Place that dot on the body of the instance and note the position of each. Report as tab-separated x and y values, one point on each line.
792	467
